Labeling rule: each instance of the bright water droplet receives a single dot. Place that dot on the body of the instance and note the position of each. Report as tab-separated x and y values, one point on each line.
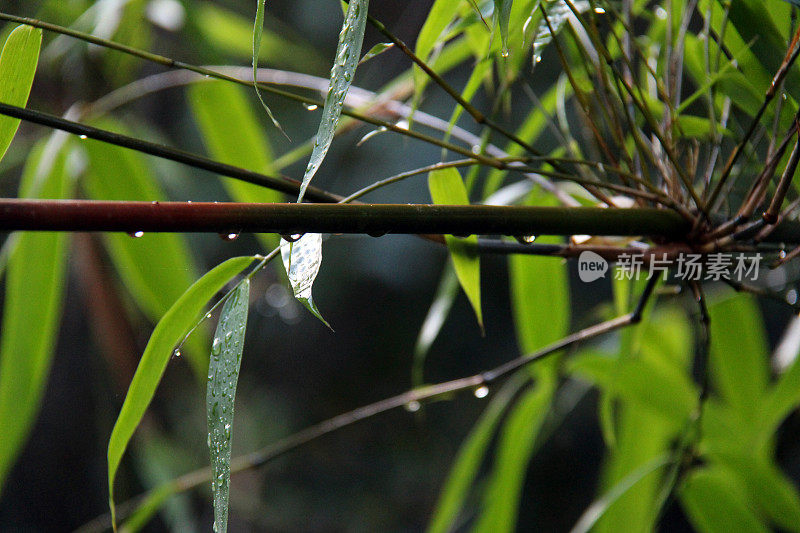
176	352
229	236
228	336
504	52
216	347
791	297
782	254
208	315
412	406
227	431
83	137
310	107
537	59
208	440
481	392
136	234
599	10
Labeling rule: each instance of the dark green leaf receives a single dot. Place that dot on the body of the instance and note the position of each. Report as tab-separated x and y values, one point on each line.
258	30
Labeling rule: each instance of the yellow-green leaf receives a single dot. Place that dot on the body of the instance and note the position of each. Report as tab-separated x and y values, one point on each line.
167	333
448	188
17	68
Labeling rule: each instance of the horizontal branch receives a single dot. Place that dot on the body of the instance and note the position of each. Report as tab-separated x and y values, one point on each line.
372	219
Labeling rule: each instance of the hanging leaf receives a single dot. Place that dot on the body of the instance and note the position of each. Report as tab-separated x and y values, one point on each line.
168	332
302	259
502	10
32	308
447	188
258	30
17	68
348	53
223	375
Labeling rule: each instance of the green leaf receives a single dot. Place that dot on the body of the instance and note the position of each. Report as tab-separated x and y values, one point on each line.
738	359
348	53
468	461
302	259
228	32
440	15
17	68
517	442
258	30
223	375
35	283
375	50
502	11
233	136
716	502
447	188
539	295
156	268
596	511
168	332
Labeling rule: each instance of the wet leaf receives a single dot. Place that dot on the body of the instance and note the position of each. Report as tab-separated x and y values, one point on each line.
223	375
168	332
376	50
502	10
302	259
17	68
348	53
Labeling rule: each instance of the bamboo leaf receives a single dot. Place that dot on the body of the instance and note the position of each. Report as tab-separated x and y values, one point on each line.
348	53
502	10
447	187
514	450
376	50
430	36
258	30
302	259
739	359
716	502
468	461
223	375
539	295
167	333
557	16
32	308
156	268
233	135
17	68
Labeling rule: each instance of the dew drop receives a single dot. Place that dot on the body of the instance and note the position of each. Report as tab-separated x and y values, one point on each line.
537	58
136	234
412	406
791	297
208	440
599	10
782	254
176	352
481	392
504	52
525	239
229	236
83	137
228	336
208	315
216	347
310	107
